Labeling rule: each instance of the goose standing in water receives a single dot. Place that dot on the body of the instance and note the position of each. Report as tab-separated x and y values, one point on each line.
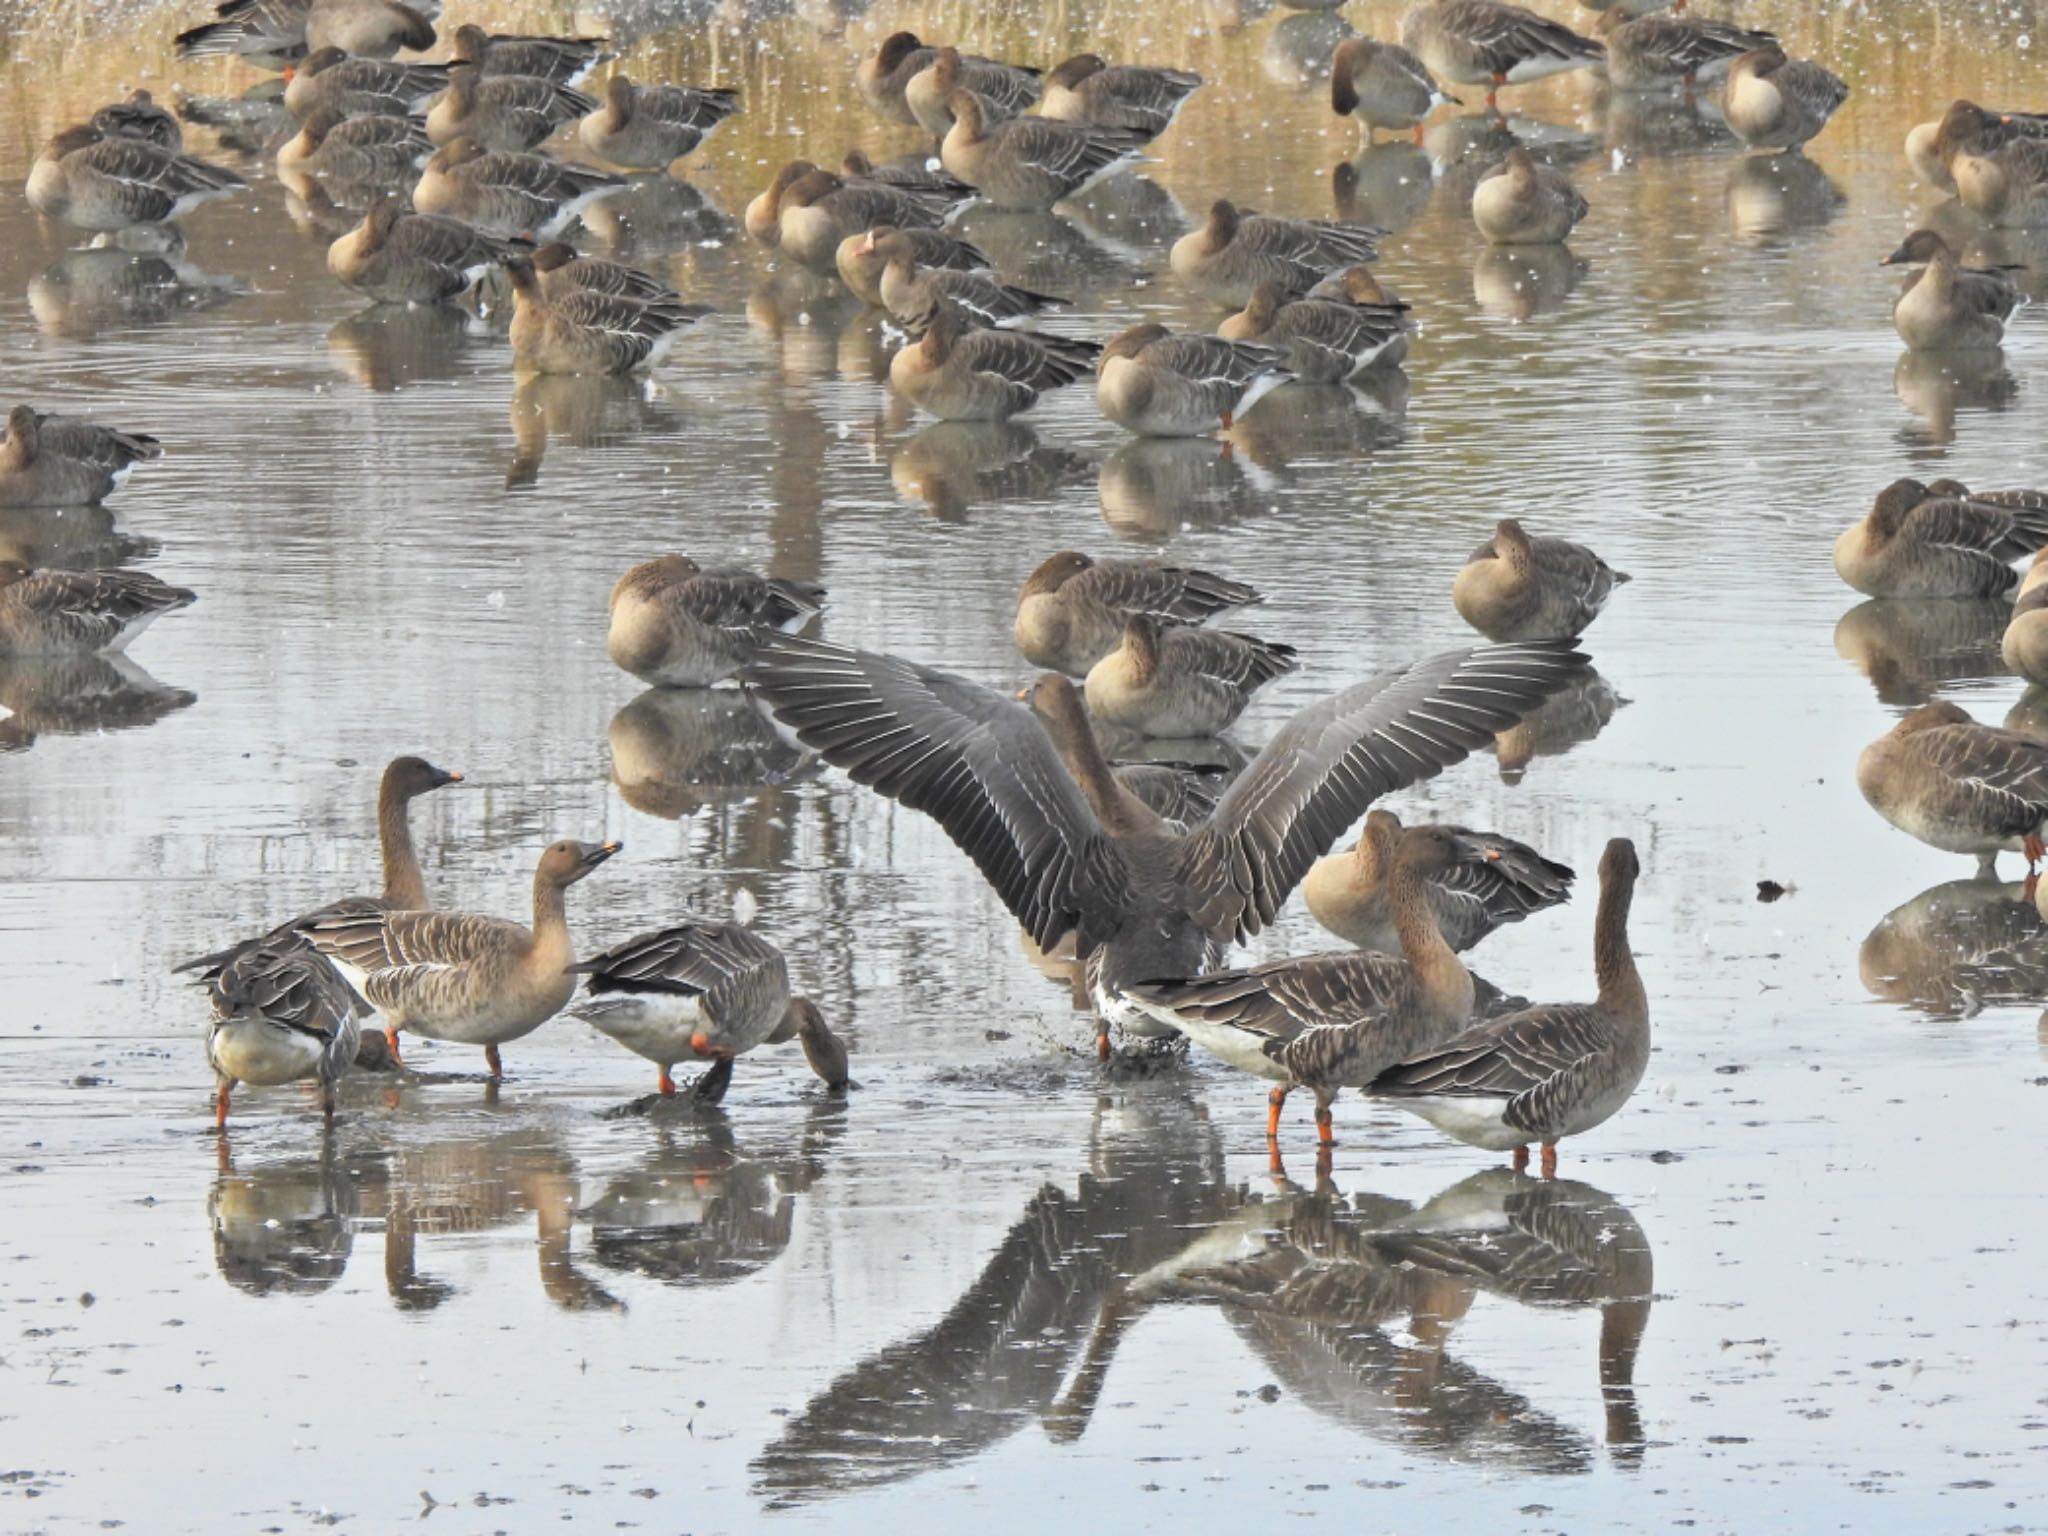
1156	384
1030	162
1233	252
1477	42
1351	893
649	127
58	461
106	184
1544	1073
508	194
678	625
1959	786
1950	307
397	256
1918	541
1326	341
281	1014
565	60
1173	680
508	113
1072	609
52	613
1139	99
1652	52
706	992
1001	91
1079	854
461	976
1516	587
1772	102
571	329
1383	85
1333	1021
961	371
1519	202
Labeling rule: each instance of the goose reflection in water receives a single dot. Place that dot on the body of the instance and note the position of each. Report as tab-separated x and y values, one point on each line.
1153	487
584	410
1938	386
1910	648
1052	253
389	346
655	216
70	539
1651	125
952	467
1958	947
88	291
811	319
676	751
1774	195
1566	720
1298	49
79	696
1384	184
1521	282
285	1227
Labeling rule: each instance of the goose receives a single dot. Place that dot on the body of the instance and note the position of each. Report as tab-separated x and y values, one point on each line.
108	448
1476	42
1518	202
47	613
884	78
1919	542
854	165
860	257
1001	91
1079	854
1999	166
570	329
1948	306
1927	152
817	212
375	148
1325	341
137	116
562	270
270	34
61	461
1031	162
367	29
564	60
93	182
1349	893
1544	1073
915	295
676	624
1332	1021
1519	587
1072	608
281	1014
1775	102
507	113
1155	384
2025	645
360	87
1355	285
1174	680
460	976
648	127
1383	85
703	991
1959	786
1233	252
763	216
963	371
508	194
1138	98
400	257
1650	52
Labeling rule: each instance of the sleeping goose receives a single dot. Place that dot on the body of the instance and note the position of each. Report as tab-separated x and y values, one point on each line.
1174	680
884	78
2024	647
1072	609
1928	151
923	177
964	371
1137	98
1001	91
400	257
678	625
1653	52
861	257
71	437
1155	384
1337	1020
1383	85
1519	202
1959	786
44	613
281	1014
1477	42
562	270
1075	854
1544	1073
648	127
461	976
706	992
1031	162
1948	306
1919	542
1775	102
360	87
91	181
2001	172
1519	587
509	113
1325	341
1233	252
508	194
367	29
1349	893
914	295
567	329
819	210
59	461
375	148
137	116
565	60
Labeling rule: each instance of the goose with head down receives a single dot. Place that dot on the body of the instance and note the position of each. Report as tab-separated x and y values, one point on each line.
565	60
1234	251
93	181
137	116
373	148
569	328
397	256
648	127
1031	162
1999	165
676	624
1176	680
1519	202
1959	786
281	1014
962	370
1654	52
1076	853
1478	42
61	461
1072	609
883	78
504	194
861	257
1326	341
1155	384
53	613
914	294
357	87
1775	102
1519	587
1138	98
1938	541
1928	149
509	113
1001	91
818	211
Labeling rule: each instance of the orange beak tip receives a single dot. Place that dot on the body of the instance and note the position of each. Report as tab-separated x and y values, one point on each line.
1021	695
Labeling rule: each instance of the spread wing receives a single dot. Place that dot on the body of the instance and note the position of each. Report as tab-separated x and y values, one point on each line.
1503	890
977	763
1332	760
729	966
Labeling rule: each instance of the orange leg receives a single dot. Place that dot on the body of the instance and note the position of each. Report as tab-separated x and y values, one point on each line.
1274	1101
1102	1043
2034	849
491	1059
1492	92
1521	1161
391	1041
222	1088
327	1103
668	1084
1226	421
1550	1159
1326	1130
1418	135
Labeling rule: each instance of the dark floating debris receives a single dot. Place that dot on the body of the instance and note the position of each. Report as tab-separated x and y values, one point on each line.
1771	890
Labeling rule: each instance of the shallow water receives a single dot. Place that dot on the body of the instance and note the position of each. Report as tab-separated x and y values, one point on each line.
994	1277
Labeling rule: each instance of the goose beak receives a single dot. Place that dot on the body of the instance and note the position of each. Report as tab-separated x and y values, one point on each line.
1022	695
595	856
450	776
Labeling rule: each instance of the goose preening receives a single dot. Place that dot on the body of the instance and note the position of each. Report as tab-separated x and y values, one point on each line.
1077	854
94	181
566	60
1235	251
281	1014
566	328
1774	102
508	113
1383	85
461	976
360	87
1544	1073
1174	680
883	79
1650	52
1031	162
1072	609
1499	881
703	991
508	194
1948	306
678	625
1520	587
374	148
61	461
1959	786
137	116
397	256
1332	1021
862	256
1325	341
1476	42
1997	163
1135	97
963	371
914	295
1156	384
1928	147
368	29
1938	541
49	613
1000	91
1519	202
648	127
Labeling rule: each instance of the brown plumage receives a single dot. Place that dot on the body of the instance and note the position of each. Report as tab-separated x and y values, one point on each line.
1999	165
356	87
818	211
1917	542
1000	90
1649	52
1477	42
884	77
268	33
1383	85
1155	384
93	181
503	194
368	29
676	624
375	148
1775	102
137	116
1234	251
1519	587
1031	162
1519	202
565	60
568	328
1948	306
1072	608
963	371
60	461
59	612
509	113
1959	786
1179	681
915	294
563	271
1137	98
280	1014
861	257
1325	341
400	257
646	127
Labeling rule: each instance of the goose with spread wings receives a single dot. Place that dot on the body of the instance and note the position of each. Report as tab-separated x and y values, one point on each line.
1072	852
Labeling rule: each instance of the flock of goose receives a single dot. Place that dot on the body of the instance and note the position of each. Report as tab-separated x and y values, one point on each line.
1144	875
